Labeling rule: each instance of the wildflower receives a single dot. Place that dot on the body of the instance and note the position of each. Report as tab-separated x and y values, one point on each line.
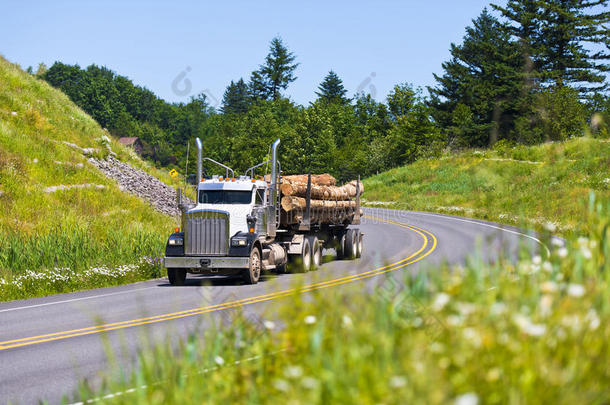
572	321
493	374
576	290
310	383
398	381
281	385
563	252
310	319
550	226
536	260
293	372
347	321
546	302
467	399
586	252
557	242
269	325
548	287
219	360
527	327
465	308
472	336
440	301
547	266
497	308
454	320
593	319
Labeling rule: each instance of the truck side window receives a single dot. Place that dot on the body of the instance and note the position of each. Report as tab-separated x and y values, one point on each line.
260	196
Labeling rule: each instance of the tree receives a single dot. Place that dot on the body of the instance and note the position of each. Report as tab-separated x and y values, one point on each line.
558	36
485	75
401	100
332	90
277	72
236	98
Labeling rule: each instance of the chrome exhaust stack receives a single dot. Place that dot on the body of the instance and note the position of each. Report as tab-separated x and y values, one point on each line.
199	162
274	170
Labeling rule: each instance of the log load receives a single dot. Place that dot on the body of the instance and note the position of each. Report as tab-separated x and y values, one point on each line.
290	203
291	187
317	179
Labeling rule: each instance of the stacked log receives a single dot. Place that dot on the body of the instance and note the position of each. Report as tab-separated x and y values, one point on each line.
291	187
329	203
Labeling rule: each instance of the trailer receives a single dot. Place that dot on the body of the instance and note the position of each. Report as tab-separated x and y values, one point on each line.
237	226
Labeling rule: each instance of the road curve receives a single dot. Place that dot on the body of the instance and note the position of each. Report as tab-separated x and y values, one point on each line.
48	344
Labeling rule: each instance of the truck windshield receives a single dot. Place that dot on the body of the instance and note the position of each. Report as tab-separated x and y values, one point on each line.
225	197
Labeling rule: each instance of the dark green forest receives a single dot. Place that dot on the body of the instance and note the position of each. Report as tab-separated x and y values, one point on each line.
526	72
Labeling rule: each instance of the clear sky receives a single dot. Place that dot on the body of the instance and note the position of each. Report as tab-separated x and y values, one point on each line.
371	45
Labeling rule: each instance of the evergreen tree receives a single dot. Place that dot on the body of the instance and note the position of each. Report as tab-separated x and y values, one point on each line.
484	75
332	90
277	72
558	35
235	98
258	87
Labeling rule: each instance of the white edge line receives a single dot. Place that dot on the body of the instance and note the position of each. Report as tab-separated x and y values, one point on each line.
74	299
487	225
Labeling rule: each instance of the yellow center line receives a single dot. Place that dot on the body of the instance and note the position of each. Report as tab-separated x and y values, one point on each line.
234	304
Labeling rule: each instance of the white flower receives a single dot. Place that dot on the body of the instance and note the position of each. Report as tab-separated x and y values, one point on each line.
398	381
310	383
582	241
440	301
527	327
310	319
465	308
547	266
563	252
497	308
550	226
593	319
586	253
281	385
219	360
269	325
347	321
576	290
472	336
572	321
557	242
293	372
548	287
546	304
536	260
467	399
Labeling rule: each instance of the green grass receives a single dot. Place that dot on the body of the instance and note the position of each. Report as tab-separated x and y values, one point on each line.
533	332
535	185
73	229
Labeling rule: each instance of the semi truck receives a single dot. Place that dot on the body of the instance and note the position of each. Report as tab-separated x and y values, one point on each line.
236	227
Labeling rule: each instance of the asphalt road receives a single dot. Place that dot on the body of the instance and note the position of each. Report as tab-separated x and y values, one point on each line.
49	344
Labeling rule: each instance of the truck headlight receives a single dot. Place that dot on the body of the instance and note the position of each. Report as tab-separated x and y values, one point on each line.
239	242
176	242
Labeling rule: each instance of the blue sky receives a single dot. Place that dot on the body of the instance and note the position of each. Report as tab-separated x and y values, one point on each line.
371	45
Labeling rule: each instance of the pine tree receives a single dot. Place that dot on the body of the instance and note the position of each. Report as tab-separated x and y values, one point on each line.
484	75
276	74
558	36
332	90
236	98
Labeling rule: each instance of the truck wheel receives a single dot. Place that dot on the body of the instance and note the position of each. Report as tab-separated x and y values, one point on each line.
359	244
316	251
351	244
176	276
304	261
252	275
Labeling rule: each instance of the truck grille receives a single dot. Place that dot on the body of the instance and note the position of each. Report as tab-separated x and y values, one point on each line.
206	232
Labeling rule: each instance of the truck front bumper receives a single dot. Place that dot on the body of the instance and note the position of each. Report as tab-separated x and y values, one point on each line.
210	262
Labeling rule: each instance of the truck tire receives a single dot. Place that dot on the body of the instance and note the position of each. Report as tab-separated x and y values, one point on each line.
253	273
351	244
304	260
176	276
316	252
360	244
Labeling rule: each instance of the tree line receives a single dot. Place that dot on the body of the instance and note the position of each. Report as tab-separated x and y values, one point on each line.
527	72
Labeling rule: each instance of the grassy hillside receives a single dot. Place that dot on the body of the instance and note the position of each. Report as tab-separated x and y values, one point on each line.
49	238
536	186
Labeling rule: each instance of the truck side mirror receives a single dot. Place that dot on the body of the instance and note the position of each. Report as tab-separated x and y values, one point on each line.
251	220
